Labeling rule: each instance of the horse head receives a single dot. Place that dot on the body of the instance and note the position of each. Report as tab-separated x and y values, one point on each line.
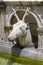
19	28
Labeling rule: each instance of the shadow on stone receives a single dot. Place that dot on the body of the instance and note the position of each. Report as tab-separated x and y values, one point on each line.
16	49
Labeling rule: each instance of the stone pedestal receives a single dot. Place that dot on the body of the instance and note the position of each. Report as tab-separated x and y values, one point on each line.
31	53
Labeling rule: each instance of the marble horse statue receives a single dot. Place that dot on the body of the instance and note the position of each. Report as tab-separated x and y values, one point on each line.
22	31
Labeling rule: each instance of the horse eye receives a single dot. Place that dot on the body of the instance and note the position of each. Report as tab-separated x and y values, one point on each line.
27	28
21	27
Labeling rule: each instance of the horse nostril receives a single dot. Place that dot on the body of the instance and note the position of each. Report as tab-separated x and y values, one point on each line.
8	39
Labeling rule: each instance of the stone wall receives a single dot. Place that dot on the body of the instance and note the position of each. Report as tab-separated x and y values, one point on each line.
5	13
2	22
39	12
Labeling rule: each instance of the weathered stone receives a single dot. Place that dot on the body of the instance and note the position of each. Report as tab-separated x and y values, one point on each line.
32	53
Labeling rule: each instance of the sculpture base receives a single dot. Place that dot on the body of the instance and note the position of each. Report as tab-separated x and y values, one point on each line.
32	53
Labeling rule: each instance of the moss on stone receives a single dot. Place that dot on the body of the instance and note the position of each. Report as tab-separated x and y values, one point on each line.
16	60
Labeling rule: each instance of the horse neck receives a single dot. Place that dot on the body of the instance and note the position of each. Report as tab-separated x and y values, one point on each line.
28	37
